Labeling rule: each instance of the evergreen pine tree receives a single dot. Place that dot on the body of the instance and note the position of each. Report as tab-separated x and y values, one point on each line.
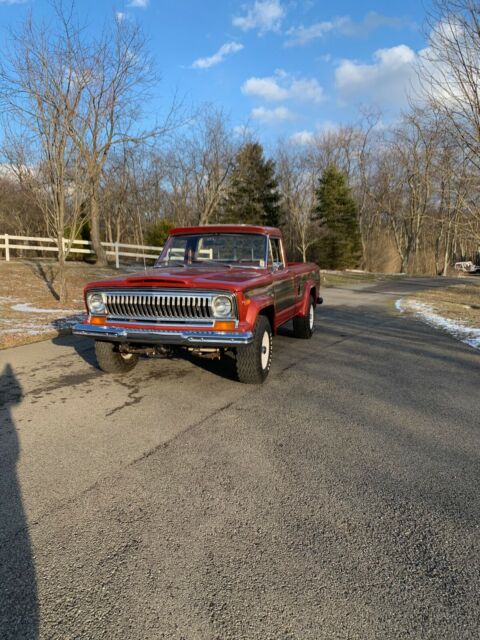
253	195
340	247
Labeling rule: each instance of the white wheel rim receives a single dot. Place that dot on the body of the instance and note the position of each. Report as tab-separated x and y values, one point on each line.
311	317
265	350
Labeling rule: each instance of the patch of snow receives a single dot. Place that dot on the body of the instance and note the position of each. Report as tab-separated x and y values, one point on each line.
457	329
65	323
26	307
27	329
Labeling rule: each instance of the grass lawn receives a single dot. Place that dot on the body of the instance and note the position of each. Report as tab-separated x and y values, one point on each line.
349	278
29	306
460	302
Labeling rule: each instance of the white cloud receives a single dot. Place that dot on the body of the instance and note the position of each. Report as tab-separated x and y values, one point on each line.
322	129
386	81
306	90
266	88
272	116
120	15
13	1
225	50
140	4
303	35
284	86
263	15
343	25
302	138
328	126
242	131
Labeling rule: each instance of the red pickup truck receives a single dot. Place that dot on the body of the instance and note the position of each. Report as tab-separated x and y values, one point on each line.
213	289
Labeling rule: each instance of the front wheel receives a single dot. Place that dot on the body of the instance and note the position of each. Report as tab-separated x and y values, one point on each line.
254	360
111	360
303	325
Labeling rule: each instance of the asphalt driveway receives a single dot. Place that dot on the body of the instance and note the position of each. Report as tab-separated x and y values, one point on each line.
339	500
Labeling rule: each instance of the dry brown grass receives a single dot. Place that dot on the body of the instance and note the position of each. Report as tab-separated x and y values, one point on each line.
34	284
349	278
459	302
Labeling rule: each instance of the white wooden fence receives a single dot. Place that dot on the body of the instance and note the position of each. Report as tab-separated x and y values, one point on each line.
7	243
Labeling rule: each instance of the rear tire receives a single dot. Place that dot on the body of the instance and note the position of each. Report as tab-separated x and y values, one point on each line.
254	360
303	325
111	360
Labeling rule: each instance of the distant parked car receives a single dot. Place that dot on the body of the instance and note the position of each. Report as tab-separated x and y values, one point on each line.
467	267
213	289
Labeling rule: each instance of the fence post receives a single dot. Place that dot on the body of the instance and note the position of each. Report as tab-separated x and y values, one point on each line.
7	249
117	257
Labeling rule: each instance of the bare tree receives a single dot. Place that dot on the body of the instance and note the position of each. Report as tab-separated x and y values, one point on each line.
117	73
40	93
450	70
297	181
211	155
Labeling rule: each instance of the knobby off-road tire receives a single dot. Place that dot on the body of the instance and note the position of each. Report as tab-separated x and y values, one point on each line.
303	325
111	360
254	360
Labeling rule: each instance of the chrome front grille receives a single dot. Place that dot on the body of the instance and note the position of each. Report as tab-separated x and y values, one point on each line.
160	306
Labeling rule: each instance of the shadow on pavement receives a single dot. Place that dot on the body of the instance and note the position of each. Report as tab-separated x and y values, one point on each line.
18	588
83	346
224	368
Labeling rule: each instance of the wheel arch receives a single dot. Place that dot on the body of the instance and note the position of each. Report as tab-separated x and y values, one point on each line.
261	306
269	313
310	291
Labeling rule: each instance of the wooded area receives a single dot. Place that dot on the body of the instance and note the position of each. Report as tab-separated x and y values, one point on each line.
77	163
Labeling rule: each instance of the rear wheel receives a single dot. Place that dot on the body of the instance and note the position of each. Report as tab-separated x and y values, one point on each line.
303	325
254	360
111	360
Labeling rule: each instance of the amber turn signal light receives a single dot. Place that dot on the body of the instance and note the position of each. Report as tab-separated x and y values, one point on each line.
98	320
224	326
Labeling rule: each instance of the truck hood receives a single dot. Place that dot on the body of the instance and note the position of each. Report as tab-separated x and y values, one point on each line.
188	277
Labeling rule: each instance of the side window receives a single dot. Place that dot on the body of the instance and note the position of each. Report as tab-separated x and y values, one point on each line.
275	257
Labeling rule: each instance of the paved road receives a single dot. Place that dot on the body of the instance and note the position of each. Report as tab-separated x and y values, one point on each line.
339	500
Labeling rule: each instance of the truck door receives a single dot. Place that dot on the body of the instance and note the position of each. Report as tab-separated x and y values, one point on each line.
283	281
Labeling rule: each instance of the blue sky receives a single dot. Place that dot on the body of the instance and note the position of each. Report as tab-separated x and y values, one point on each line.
283	67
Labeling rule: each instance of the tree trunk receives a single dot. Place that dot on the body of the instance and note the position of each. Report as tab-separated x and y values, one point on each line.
446	256
404	260
95	231
61	275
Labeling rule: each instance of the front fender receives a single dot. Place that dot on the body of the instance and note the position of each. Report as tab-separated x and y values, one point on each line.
255	305
307	292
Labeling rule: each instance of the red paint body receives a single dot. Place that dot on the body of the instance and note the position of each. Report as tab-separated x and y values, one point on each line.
279	293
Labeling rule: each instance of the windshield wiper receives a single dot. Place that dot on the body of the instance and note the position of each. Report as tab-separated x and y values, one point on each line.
168	263
224	264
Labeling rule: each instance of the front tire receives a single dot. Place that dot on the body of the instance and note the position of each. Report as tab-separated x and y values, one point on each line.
254	360
303	325
111	360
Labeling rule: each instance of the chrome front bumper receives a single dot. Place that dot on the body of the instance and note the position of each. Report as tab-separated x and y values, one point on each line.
161	336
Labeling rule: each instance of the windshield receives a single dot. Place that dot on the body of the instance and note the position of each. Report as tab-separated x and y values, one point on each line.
230	249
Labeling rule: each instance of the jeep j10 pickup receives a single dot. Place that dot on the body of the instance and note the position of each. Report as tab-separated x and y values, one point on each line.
214	289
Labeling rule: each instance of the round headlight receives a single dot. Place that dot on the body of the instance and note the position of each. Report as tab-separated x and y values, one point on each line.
222	307
96	304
